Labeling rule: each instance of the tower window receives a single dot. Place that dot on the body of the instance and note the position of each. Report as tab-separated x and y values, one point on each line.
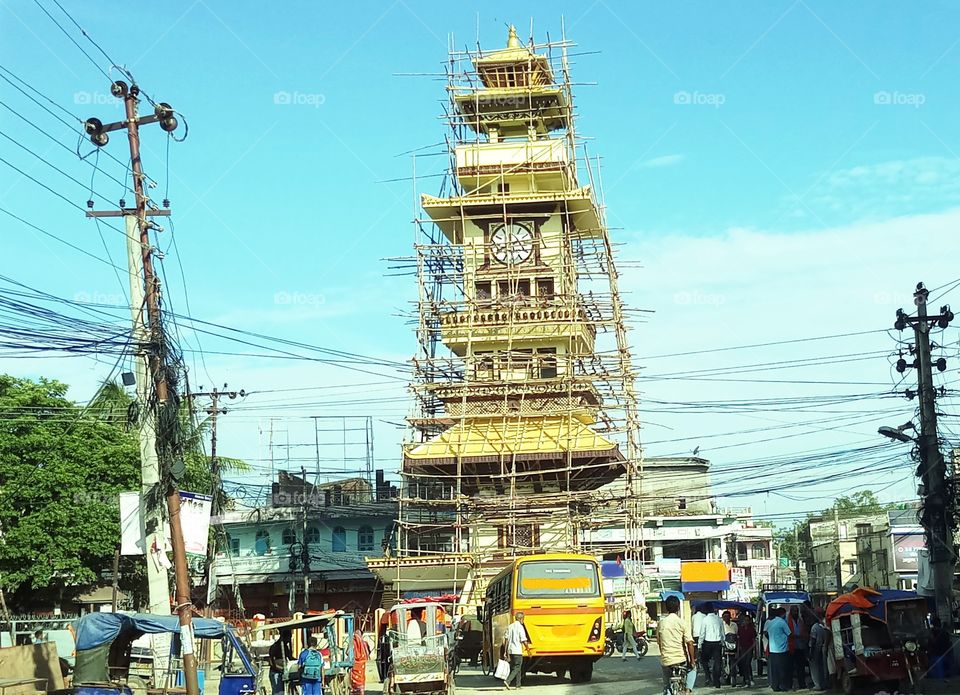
503	188
484	291
548	362
523	288
545	288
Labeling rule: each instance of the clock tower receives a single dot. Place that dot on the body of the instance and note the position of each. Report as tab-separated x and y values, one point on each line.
525	405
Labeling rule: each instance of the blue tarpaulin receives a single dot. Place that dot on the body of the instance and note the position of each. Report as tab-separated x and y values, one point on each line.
611	569
95	629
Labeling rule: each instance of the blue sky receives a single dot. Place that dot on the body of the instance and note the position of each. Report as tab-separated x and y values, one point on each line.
779	169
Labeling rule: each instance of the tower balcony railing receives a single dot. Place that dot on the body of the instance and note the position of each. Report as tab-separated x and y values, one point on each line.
498	316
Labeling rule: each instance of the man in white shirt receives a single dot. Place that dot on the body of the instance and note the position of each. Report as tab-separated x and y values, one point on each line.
514	640
711	645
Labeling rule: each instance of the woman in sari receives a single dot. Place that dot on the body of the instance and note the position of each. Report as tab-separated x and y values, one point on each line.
358	674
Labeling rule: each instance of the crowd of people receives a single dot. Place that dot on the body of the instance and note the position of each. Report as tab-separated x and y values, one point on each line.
723	648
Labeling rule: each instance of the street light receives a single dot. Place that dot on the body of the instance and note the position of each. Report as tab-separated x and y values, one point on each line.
897	433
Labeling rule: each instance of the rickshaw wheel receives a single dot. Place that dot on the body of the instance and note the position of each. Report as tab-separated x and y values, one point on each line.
847	683
485	668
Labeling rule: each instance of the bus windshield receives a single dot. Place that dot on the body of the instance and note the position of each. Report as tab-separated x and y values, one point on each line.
558	579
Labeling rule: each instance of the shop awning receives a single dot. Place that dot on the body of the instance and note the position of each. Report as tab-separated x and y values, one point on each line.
704	576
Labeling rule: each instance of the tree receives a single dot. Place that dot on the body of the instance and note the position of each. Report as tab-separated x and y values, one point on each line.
61	471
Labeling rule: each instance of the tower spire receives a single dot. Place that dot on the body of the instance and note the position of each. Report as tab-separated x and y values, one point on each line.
513	41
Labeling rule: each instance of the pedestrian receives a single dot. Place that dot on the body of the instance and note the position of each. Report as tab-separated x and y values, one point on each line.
799	639
514	639
311	668
38	637
416	626
746	645
280	652
778	636
358	674
698	616
675	643
818	653
729	647
629	636
711	646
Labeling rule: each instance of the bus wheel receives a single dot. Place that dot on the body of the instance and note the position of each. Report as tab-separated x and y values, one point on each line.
560	673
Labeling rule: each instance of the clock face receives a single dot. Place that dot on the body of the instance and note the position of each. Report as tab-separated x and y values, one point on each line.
511	243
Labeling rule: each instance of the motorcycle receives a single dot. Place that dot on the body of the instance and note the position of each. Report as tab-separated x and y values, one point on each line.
614	642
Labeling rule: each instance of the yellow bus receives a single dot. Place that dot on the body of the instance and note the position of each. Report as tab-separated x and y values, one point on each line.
561	598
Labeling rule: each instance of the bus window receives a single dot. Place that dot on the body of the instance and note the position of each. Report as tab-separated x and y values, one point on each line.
558	579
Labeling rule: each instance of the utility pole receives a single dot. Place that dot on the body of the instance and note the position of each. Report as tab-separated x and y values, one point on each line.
796	552
138	230
213	410
937	514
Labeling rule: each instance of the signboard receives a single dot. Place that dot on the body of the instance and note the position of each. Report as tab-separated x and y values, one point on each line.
738	575
784	562
906	547
194	517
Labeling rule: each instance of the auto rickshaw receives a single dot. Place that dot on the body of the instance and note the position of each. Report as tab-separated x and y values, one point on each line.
104	642
876	637
335	632
417	650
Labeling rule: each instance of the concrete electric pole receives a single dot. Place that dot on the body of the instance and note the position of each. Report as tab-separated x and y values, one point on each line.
213	411
937	514
149	335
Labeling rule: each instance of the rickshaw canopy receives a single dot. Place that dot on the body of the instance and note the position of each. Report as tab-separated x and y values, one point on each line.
95	629
785	597
865	601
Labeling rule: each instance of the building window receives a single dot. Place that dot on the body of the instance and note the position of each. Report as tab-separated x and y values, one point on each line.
234	544
523	287
863	529
365	539
485	366
484	291
545	288
850	567
262	542
742	551
682	503
521	536
289	537
339	540
759	551
503	187
548	362
313	534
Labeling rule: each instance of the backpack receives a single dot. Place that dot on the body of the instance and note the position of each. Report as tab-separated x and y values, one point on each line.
312	665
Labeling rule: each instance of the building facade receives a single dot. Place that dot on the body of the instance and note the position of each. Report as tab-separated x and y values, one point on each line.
307	549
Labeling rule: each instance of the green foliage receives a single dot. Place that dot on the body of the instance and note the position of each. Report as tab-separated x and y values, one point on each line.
62	468
60	474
